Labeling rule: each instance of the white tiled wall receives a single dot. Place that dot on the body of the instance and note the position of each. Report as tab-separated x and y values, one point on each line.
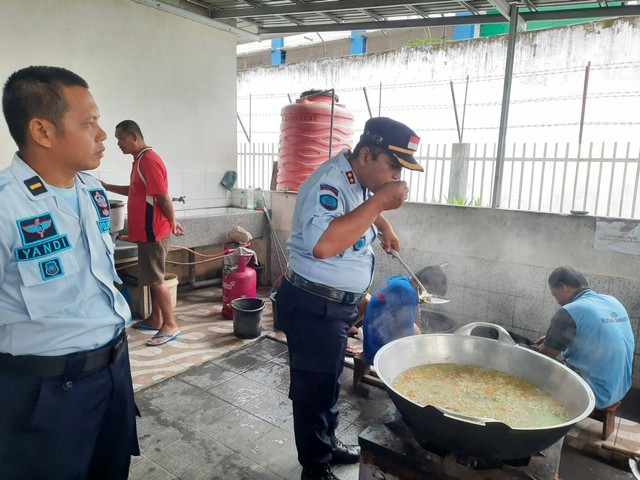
200	189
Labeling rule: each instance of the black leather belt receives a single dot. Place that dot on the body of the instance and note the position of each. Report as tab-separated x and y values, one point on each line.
330	293
78	363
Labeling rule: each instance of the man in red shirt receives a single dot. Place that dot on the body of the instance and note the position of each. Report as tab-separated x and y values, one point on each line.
150	221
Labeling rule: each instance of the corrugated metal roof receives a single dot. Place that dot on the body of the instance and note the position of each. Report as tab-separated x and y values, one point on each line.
252	18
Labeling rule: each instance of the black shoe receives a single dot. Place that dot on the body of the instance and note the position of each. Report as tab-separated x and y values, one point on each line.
342	453
321	472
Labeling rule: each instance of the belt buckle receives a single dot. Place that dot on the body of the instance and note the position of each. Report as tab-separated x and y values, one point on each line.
348	298
354	297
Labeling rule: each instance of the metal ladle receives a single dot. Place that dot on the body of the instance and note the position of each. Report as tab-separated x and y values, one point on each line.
427	298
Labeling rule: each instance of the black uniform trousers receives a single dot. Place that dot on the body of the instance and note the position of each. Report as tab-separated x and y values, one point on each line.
316	330
69	427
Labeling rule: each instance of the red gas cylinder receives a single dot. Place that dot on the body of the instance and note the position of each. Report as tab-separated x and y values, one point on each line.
238	283
305	132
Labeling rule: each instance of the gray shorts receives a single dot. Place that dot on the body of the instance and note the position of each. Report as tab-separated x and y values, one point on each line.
151	258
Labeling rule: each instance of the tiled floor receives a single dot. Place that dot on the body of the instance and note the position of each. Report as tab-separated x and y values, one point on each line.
231	419
206	334
216	407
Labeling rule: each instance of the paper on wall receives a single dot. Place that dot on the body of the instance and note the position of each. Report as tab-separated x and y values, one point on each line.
619	236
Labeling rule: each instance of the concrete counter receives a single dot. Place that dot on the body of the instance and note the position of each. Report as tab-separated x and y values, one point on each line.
205	227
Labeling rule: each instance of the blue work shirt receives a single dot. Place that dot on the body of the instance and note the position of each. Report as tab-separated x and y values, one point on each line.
391	314
601	349
331	191
57	272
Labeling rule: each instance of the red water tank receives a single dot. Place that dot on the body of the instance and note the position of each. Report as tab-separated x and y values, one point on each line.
305	132
237	284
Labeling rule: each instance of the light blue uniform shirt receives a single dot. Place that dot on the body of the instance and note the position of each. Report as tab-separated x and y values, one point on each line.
331	191
57	272
602	349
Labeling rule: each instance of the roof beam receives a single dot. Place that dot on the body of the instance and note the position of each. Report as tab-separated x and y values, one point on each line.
505	9
572	14
330	16
470	7
316	7
375	16
189	15
529	4
417	11
287	18
389	24
581	13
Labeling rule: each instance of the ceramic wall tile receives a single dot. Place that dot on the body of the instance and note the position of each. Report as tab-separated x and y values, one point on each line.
455	270
215	202
635	328
482	273
627	292
456	306
529	281
528	314
462	319
474	303
600	283
636	370
194	187
213	189
500	308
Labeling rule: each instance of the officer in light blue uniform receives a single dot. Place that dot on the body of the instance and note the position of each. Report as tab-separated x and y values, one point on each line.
57	276
65	381
331	265
593	333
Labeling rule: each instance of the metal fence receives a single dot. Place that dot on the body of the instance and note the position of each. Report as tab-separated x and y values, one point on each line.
601	179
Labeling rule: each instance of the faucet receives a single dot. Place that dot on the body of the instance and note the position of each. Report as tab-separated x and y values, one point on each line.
179	199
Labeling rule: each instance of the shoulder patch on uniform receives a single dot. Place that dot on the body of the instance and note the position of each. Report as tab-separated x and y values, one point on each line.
351	177
35	185
329	202
40	238
332	189
99	200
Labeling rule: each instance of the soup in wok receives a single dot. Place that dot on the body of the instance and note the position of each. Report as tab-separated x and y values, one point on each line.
481	392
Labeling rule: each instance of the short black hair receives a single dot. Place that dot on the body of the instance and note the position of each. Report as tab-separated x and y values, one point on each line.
375	151
36	91
130	127
568	276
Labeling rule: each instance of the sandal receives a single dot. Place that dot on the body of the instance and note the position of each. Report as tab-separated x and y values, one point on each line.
353	350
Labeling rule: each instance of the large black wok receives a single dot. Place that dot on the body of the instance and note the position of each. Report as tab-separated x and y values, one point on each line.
473	436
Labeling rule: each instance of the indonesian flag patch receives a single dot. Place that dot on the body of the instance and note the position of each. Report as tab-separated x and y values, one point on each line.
413	143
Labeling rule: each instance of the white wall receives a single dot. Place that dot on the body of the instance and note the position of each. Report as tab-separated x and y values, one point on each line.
546	96
499	261
175	77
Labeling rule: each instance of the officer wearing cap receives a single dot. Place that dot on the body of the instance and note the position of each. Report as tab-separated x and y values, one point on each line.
66	397
331	265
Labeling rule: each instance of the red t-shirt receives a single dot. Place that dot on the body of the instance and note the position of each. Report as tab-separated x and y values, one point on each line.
145	220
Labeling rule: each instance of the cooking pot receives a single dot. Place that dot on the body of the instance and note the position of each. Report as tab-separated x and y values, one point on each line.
434	322
116	216
473	436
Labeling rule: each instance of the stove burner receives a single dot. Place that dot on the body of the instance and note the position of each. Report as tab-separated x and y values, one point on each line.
390	446
472	462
